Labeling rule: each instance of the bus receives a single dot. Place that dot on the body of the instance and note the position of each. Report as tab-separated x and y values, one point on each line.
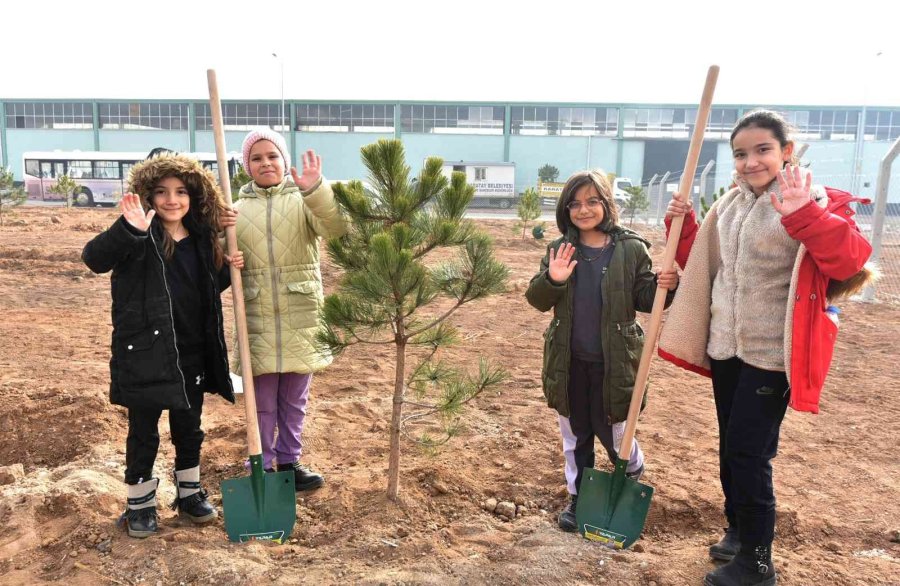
102	177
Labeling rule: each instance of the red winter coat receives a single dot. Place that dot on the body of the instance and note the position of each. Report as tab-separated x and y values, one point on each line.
832	262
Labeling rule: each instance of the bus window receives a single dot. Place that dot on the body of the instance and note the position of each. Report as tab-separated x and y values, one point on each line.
126	168
32	168
80	170
46	170
106	170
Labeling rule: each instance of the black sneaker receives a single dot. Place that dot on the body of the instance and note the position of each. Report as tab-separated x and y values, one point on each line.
566	520
727	547
196	507
140	523
304	478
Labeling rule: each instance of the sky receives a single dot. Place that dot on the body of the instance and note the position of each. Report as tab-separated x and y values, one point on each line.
789	52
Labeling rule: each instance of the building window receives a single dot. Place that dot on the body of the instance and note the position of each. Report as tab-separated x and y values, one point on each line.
243	117
822	124
882	124
56	115
445	119
721	122
564	121
345	117
676	122
143	116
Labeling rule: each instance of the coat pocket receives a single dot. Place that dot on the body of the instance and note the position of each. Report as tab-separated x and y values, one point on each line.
824	332
553	371
303	304
144	359
551	354
633	334
630	342
253	309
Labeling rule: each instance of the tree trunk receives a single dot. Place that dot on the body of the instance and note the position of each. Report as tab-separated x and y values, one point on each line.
399	383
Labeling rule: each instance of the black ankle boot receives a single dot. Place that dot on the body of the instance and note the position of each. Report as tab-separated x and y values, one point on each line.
750	567
140	518
304	478
141	523
190	499
566	520
728	546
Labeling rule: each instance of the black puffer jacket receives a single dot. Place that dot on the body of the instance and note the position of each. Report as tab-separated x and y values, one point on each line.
144	368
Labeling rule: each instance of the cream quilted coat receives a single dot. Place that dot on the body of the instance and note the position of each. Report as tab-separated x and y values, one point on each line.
278	231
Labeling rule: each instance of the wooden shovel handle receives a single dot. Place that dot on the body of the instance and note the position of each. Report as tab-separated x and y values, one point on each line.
254	447
659	302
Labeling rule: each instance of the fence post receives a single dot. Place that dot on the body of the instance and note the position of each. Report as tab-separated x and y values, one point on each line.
881	194
662	194
703	175
650	186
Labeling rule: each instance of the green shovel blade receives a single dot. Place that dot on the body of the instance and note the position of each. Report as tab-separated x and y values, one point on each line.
612	508
261	506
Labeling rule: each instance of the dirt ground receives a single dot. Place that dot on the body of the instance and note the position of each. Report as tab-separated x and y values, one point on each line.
62	453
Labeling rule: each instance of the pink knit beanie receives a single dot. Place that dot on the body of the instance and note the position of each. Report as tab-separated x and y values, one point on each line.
266	134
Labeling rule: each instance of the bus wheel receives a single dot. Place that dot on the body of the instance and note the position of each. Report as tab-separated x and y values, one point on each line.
505	204
83	197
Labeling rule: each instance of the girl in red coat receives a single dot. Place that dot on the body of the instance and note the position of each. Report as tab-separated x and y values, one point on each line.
752	312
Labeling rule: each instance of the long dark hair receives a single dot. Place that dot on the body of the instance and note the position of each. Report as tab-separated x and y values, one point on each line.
767	120
604	189
195	223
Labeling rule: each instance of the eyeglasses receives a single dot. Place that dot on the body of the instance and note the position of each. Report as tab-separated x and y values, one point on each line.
592	203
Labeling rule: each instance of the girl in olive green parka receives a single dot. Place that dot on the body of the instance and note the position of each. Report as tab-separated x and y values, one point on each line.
595	277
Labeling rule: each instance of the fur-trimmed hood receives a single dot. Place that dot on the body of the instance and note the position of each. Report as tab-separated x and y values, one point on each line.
206	198
838	202
855	284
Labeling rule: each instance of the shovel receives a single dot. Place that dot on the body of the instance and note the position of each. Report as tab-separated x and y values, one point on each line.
261	506
612	508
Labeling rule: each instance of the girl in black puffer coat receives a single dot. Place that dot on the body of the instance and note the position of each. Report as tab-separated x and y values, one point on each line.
168	344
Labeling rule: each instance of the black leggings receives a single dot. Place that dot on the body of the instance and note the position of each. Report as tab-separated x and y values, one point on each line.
587	415
184	425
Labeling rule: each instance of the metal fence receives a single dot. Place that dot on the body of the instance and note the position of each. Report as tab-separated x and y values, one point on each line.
879	222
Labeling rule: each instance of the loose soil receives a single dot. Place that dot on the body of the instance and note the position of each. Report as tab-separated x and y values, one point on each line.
836	474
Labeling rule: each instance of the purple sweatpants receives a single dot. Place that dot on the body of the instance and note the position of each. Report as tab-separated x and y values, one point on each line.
281	402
